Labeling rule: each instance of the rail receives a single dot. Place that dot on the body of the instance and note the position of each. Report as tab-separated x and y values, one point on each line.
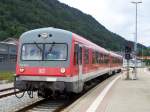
58	104
8	92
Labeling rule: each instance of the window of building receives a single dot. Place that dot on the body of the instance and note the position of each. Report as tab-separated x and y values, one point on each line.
1	58
13	58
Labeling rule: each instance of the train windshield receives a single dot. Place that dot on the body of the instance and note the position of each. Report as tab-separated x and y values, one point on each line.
32	52
44	52
55	51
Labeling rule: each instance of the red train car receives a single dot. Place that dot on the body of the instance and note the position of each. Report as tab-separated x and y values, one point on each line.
51	59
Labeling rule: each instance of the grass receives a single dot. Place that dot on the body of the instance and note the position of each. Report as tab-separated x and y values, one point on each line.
7	76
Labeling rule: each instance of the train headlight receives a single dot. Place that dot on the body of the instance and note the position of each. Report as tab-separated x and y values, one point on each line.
62	70
44	35
21	69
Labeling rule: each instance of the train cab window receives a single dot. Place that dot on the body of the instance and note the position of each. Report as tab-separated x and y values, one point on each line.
46	52
32	52
55	51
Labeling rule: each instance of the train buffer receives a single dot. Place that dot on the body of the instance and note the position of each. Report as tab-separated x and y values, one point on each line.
117	95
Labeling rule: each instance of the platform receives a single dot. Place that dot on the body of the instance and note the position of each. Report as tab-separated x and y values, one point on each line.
117	95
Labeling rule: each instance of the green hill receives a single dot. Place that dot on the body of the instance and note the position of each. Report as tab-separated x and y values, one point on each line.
18	16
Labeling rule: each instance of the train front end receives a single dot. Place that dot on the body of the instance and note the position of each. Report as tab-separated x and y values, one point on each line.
43	62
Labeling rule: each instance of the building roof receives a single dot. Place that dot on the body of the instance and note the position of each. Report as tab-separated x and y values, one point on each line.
10	41
145	57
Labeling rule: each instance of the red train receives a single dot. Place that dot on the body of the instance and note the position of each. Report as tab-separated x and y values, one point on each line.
51	59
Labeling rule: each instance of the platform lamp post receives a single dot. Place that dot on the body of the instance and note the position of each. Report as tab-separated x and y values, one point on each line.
135	43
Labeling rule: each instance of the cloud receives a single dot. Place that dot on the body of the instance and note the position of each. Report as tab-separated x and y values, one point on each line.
118	16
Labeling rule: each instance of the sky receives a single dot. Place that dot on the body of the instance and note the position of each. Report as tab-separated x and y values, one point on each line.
118	16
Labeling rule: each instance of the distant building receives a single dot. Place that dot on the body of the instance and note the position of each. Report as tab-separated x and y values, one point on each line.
144	57
8	52
132	63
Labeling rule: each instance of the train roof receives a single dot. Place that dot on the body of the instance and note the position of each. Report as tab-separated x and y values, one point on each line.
46	30
90	44
65	32
72	35
115	54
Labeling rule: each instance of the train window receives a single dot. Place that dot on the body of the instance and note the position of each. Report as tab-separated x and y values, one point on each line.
76	54
114	60
86	56
48	52
32	52
80	60
55	51
101	58
97	57
93	57
106	59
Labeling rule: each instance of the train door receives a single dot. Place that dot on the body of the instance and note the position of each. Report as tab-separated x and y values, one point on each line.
78	63
80	81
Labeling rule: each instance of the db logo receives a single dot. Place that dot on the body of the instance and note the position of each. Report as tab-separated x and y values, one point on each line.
41	71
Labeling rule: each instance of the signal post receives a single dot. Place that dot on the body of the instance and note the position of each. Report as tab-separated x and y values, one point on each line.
128	52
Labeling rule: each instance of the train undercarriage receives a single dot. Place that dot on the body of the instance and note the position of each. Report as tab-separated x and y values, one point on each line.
48	89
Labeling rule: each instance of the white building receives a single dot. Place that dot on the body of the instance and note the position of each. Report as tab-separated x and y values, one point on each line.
131	63
8	50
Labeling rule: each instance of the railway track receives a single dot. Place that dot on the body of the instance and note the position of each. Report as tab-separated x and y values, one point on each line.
6	89
60	103
41	105
44	105
7	92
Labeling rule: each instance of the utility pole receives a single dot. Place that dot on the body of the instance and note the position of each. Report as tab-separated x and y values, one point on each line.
135	43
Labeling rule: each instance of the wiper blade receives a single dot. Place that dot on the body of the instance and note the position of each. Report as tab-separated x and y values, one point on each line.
53	44
38	46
